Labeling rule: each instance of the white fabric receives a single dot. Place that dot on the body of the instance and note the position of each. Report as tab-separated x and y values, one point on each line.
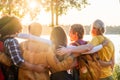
95	49
32	37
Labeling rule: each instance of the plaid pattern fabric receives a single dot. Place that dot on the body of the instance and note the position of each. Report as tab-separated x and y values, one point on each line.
12	49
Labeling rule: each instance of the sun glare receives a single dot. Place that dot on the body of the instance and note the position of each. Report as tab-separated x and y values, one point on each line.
44	17
26	19
33	5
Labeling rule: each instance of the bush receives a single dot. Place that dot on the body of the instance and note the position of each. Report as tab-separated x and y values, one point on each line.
116	72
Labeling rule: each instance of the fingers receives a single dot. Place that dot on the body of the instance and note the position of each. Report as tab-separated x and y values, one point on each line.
61	51
105	42
60	46
89	47
42	68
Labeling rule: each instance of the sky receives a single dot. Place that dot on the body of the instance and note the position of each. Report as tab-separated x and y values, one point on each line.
106	10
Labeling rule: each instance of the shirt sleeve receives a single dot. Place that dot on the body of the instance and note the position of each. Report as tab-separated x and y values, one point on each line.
13	50
32	37
95	49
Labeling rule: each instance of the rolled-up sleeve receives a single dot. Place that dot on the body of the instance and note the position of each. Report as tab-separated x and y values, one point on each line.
13	50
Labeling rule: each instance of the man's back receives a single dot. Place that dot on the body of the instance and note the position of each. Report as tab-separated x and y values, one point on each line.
105	54
35	53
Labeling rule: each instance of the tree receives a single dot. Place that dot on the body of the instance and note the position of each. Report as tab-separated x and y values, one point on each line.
59	7
11	7
19	8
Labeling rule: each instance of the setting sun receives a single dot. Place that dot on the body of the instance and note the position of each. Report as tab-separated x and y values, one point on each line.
33	5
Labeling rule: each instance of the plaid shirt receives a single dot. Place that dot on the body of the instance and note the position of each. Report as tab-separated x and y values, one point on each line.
12	49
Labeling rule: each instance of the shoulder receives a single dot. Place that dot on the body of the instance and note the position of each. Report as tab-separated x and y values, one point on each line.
79	42
96	40
11	41
41	46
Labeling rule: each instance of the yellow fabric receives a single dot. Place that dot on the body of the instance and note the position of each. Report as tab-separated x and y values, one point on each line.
41	53
105	54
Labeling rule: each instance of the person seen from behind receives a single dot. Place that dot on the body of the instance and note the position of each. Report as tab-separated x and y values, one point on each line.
106	54
31	51
10	26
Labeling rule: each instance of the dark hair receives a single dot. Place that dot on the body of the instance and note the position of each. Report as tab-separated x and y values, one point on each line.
9	25
79	29
58	37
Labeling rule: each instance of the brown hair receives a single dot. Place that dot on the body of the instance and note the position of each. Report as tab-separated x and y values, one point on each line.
58	37
79	29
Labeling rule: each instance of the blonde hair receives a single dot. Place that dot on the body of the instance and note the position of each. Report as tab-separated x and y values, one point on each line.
35	28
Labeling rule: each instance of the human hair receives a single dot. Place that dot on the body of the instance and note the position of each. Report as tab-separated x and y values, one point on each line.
79	29
58	37
35	28
98	24
9	25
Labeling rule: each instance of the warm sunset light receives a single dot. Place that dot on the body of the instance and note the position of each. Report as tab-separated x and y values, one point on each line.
44	17
109	14
32	5
107	10
60	39
26	19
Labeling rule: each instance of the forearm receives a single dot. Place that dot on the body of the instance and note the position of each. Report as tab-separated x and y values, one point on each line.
26	65
95	49
32	37
74	49
57	65
105	63
29	66
81	48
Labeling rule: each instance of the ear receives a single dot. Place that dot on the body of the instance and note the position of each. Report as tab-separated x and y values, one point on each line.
76	33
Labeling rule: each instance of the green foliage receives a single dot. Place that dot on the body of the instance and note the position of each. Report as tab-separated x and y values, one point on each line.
58	7
64	5
116	73
11	7
18	7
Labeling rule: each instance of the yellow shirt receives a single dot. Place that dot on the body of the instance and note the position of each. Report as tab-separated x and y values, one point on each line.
105	54
41	53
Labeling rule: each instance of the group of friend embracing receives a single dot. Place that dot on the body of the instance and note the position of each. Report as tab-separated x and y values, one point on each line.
41	59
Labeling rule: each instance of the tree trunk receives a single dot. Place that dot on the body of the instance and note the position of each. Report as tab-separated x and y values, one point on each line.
57	13
52	14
